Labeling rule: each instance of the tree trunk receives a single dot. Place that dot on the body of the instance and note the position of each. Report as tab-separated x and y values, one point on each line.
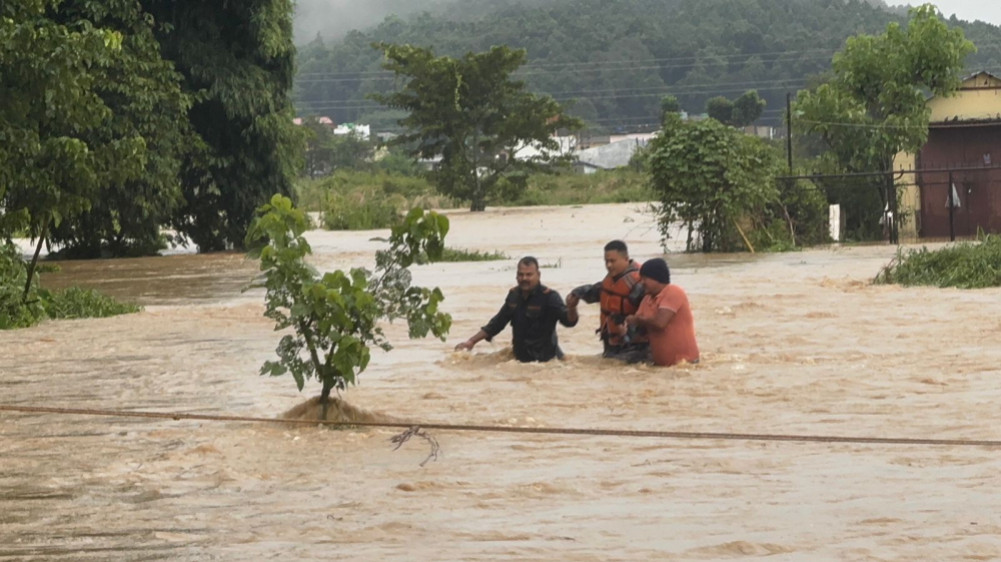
34	261
328	385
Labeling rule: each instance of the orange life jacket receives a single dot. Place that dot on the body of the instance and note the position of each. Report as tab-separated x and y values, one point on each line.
615	304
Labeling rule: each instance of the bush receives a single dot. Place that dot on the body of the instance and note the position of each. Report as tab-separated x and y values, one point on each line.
19	312
622	185
75	302
362	211
457	255
14	311
360	199
966	266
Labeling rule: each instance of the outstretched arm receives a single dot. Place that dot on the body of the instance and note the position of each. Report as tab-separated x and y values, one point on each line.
475	339
494	327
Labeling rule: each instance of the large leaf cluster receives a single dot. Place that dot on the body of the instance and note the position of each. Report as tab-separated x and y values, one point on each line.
470	113
334	318
236	59
49	75
709	177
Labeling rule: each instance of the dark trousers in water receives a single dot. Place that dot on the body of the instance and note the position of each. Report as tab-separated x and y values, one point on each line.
629	353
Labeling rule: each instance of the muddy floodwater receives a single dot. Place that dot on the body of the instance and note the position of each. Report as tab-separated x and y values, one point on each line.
797	343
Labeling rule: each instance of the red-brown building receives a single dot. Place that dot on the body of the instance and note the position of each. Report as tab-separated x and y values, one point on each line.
962	155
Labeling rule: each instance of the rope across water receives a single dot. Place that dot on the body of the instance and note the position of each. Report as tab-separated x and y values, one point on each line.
691	435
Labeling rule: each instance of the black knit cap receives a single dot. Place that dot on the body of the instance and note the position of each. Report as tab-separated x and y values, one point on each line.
657	270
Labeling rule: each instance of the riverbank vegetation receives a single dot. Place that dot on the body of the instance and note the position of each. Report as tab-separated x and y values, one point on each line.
21	310
359	199
967	265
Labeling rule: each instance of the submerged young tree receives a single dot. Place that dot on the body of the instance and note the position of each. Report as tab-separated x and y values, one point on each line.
471	114
334	317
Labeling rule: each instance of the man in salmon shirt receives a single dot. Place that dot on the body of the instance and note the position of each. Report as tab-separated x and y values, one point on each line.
666	316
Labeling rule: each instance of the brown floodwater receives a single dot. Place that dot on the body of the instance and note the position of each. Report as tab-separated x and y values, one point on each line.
795	343
172	279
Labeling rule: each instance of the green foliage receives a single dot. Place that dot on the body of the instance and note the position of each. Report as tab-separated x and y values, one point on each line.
708	177
148	113
741	112
470	113
964	265
798	218
327	152
236	60
459	255
362	211
365	200
606	186
347	193
747	109
874	106
75	302
16	311
357	186
720	109
669	105
54	150
334	317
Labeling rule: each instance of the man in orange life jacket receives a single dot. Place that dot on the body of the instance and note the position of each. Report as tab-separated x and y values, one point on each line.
619	293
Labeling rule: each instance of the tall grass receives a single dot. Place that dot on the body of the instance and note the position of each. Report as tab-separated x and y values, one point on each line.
75	302
459	254
606	186
365	200
362	200
968	265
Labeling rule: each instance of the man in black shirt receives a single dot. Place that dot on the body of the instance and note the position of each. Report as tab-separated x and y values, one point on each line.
533	311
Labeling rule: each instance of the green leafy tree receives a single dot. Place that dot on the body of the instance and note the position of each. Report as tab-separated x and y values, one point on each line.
874	105
720	109
54	153
334	317
669	105
747	109
236	59
469	113
710	177
318	153
143	93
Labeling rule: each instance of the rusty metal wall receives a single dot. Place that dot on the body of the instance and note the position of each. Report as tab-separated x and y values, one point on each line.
977	195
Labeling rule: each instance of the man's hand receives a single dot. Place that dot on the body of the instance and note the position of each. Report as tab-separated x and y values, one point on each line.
572	300
465	346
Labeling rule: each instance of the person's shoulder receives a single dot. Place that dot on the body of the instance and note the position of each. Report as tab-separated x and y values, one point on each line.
549	294
632	273
674	291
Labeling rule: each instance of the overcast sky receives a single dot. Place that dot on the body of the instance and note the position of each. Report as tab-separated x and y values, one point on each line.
969	10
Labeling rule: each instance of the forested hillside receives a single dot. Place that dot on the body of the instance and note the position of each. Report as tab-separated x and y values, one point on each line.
614	61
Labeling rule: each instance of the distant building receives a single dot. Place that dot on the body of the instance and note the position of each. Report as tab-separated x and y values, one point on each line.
361	131
609	156
965	137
